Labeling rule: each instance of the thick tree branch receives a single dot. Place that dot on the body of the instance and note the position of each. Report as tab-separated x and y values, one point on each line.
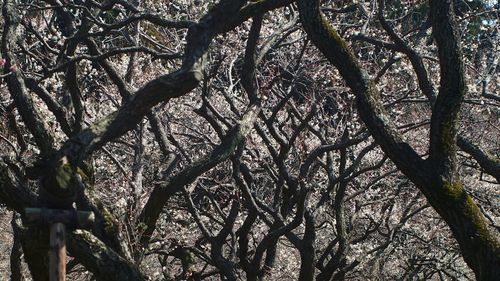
223	17
368	100
451	93
488	163
480	247
102	261
16	84
222	152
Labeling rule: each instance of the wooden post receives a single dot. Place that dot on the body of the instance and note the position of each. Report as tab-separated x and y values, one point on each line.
57	252
71	218
58	219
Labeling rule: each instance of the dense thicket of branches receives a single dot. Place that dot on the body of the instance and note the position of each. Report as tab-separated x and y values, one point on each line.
253	140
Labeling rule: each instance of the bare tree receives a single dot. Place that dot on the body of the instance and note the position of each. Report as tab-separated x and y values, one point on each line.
214	141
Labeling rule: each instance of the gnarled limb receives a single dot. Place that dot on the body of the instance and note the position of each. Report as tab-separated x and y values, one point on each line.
14	193
437	177
225	16
15	81
488	163
102	261
222	152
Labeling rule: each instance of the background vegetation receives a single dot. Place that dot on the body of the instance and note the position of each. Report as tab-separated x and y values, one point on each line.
259	140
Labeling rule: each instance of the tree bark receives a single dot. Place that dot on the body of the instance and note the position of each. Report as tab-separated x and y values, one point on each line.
436	177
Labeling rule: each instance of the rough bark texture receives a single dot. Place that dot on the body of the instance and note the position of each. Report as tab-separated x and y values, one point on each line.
435	177
101	252
15	82
163	192
102	258
103	262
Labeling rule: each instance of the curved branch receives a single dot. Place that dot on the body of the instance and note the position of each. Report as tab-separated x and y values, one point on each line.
488	163
102	261
16	84
451	93
480	247
368	100
222	152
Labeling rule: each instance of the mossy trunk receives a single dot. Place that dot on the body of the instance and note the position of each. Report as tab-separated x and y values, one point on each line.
479	245
437	177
